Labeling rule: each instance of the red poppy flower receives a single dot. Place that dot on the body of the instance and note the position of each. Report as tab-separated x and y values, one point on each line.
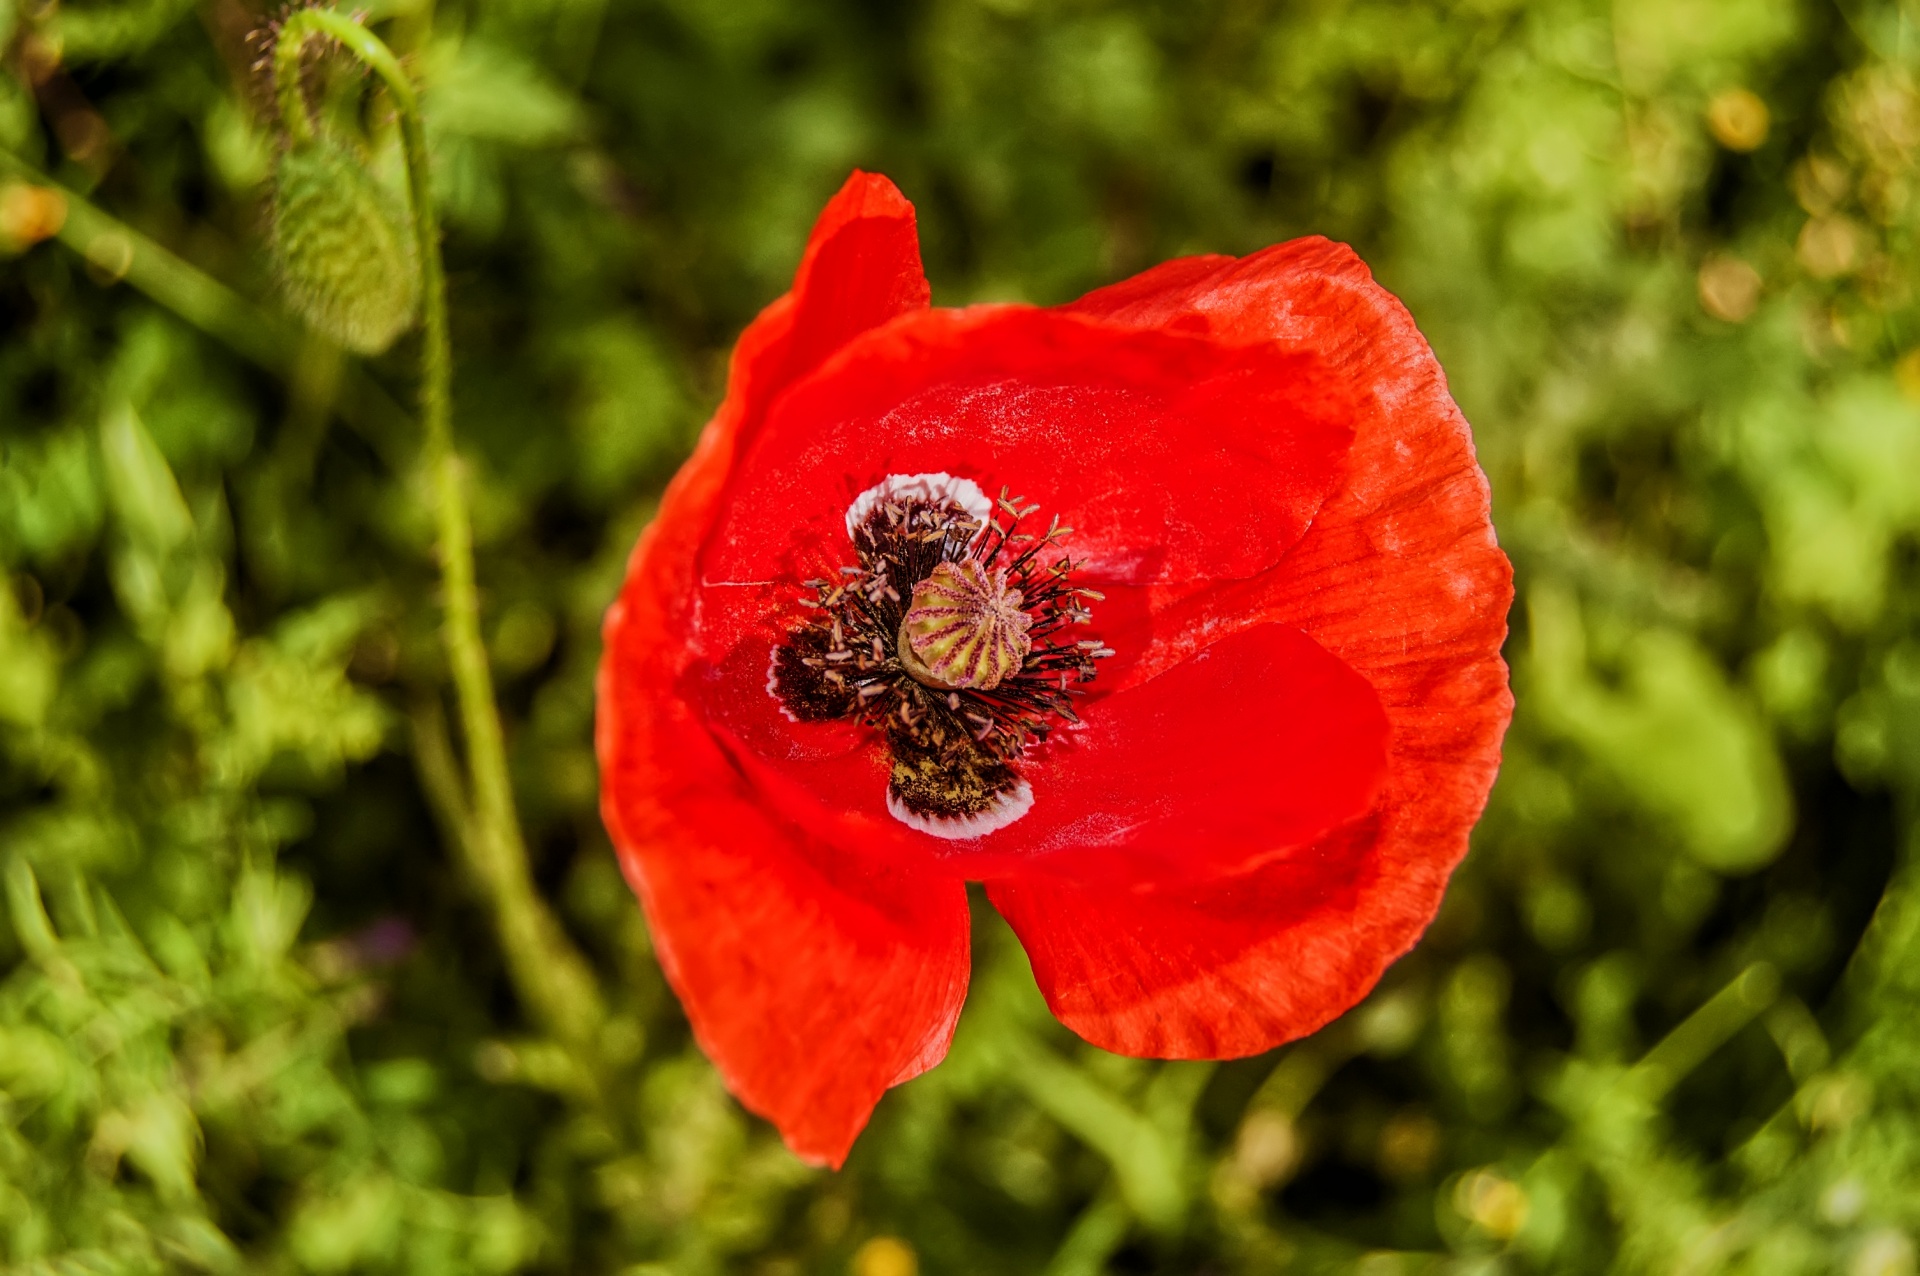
1173	615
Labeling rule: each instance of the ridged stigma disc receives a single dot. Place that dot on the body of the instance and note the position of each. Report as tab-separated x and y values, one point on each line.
347	261
964	628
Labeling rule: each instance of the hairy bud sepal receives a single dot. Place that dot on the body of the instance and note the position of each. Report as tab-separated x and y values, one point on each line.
347	263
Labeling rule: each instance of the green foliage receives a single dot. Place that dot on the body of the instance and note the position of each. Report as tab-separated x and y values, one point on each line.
253	1017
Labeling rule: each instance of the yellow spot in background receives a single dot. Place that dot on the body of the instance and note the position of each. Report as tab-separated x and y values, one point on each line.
885	1256
1885	1251
1838	1102
1738	119
1495	1203
1409	1144
1830	246
1906	375
1729	288
29	214
1821	183
1267	1151
1842	1202
109	256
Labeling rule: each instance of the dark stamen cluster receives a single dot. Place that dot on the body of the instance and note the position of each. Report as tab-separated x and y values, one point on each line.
953	748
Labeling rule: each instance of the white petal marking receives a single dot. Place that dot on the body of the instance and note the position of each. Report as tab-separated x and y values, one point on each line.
934	488
1007	807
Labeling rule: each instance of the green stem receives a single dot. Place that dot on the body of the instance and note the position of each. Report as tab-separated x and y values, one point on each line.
1147	1164
202	301
1751	993
547	969
1096	1234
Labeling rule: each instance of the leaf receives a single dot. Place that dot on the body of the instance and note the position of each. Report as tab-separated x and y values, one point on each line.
478	89
141	488
1675	734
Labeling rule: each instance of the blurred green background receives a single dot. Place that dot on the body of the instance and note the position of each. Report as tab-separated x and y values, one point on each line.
252	1017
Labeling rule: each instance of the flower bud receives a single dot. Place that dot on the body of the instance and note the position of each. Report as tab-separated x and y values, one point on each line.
347	262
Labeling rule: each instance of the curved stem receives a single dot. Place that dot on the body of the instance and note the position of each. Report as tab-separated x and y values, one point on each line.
548	971
304	24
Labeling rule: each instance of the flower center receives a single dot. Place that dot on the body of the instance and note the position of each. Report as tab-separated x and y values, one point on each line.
964	628
950	637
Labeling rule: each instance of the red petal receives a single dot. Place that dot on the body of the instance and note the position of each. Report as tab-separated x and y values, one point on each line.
861	268
1400	578
1260	743
812	978
1173	459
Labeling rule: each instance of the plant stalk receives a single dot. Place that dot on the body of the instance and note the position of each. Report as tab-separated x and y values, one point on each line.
547	970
